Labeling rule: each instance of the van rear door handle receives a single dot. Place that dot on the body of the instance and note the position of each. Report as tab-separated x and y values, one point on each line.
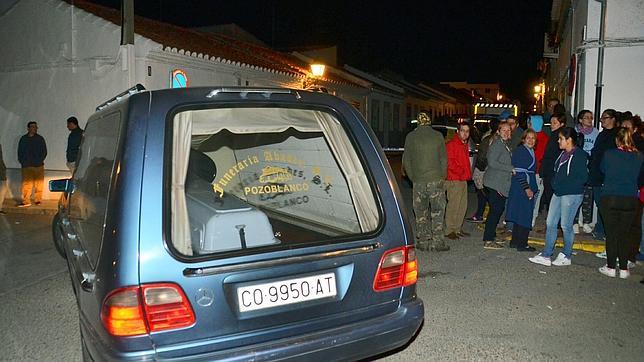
78	252
88	281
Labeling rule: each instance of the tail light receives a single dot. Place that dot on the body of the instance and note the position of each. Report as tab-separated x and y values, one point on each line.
398	268
150	308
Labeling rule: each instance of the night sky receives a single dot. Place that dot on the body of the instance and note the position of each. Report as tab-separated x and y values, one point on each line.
431	40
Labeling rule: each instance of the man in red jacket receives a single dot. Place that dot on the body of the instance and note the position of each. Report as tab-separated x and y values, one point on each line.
458	172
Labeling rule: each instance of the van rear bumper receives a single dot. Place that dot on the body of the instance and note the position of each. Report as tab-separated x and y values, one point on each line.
348	342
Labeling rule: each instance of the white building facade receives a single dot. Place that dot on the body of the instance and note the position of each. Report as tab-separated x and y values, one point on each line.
60	60
573	62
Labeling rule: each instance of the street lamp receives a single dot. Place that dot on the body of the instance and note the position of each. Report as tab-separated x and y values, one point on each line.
317	71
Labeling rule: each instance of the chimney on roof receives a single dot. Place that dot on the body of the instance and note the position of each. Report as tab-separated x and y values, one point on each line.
127	22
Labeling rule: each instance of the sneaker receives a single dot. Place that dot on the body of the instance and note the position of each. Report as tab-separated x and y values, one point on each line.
474	219
561	260
492	245
609	272
587	228
540	259
575	229
623	274
2	212
631	265
24	204
601	255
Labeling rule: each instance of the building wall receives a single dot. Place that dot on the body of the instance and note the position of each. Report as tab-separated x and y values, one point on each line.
59	61
623	78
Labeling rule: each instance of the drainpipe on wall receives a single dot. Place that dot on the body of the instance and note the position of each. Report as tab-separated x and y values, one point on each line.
600	63
127	41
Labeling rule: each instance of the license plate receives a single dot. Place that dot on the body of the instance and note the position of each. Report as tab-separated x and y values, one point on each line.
284	292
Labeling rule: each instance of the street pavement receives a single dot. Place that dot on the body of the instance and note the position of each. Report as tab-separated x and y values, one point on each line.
479	304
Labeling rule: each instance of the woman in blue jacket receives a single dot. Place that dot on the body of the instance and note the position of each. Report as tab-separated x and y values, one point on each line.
619	204
568	183
523	191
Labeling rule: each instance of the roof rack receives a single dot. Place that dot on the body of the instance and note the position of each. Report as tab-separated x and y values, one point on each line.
266	92
134	90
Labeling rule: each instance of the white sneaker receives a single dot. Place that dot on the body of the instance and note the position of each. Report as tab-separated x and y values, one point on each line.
540	259
587	228
575	229
561	260
609	272
601	255
630	264
623	274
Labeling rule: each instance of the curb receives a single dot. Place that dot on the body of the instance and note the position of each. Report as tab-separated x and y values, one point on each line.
588	246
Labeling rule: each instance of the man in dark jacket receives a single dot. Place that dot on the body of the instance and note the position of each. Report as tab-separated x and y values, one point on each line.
425	163
32	151
605	141
73	142
552	151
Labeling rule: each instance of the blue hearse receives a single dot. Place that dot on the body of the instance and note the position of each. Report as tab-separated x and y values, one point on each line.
236	224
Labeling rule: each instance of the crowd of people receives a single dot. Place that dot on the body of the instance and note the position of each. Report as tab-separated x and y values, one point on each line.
32	151
566	174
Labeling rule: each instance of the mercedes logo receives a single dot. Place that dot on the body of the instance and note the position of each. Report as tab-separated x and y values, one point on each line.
204	297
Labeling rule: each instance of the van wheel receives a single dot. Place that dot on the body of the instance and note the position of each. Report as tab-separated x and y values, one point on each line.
57	235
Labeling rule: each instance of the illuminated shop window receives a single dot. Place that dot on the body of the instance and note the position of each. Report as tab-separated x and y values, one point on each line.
179	79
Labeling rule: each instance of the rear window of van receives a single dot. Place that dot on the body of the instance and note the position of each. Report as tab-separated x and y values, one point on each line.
247	178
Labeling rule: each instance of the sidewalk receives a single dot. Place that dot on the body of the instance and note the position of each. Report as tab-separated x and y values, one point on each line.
47	207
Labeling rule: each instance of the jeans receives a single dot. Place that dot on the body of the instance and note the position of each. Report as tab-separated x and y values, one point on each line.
497	206
538	196
482	201
33	179
561	208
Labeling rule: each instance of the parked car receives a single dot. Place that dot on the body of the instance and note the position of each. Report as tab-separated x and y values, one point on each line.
236	224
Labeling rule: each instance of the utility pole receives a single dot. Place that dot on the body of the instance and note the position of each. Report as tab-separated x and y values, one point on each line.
128	60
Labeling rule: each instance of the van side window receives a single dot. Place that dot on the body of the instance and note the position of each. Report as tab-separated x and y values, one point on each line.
92	180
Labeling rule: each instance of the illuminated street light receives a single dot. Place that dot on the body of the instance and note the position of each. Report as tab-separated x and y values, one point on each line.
317	70
537	88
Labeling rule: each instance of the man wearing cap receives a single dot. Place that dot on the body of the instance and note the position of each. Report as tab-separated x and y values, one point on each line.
425	163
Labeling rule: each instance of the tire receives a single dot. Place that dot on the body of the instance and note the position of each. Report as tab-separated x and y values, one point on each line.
57	235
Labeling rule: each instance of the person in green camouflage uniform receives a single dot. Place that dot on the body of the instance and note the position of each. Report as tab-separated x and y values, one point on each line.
425	163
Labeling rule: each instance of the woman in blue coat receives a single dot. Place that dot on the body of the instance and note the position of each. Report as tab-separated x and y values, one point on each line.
523	191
